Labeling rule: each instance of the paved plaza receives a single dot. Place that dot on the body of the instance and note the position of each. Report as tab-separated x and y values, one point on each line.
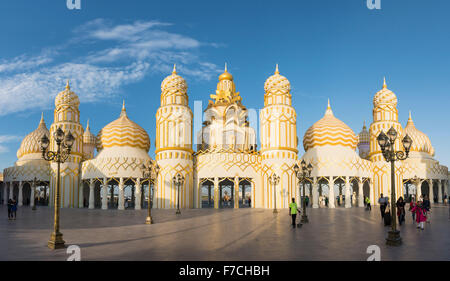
226	234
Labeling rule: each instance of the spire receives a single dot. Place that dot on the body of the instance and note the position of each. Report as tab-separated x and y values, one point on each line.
384	83
87	125
68	85
276	70
42	122
124	111
364	126
174	71
410	121
329	111
226	68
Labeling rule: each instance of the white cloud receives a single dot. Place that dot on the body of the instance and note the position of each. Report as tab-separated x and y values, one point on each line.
7	139
23	63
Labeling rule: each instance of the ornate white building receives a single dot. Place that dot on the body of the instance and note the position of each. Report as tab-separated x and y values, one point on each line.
226	169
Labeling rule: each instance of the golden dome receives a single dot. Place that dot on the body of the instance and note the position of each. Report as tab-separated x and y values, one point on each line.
384	96
421	142
88	137
277	82
31	143
123	132
226	90
226	75
364	136
329	131
67	97
174	82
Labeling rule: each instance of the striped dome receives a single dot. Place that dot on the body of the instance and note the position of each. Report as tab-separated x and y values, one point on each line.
174	82
67	97
384	96
329	131
277	82
421	142
123	132
31	143
364	136
88	137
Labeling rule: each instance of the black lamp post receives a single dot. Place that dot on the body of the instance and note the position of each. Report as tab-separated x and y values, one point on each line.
387	143
301	176
64	144
274	180
178	180
149	172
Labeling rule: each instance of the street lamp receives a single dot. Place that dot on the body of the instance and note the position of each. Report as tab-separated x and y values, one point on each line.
302	176
178	181
274	180
64	144
386	143
150	171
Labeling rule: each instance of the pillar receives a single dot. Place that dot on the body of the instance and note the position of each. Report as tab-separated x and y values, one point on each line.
418	189
331	198
216	193
121	195
360	193
137	196
105	194
431	193
81	195
252	195
236	192
91	194
348	199
32	196
439	191
20	199
315	192
11	190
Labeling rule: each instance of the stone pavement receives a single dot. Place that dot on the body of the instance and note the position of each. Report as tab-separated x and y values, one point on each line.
208	234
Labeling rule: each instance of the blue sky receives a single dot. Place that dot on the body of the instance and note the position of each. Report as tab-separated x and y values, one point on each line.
115	50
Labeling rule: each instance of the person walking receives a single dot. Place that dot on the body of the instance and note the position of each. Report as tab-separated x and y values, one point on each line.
421	216
412	204
9	209
387	216
400	210
383	204
14	208
368	206
426	206
293	210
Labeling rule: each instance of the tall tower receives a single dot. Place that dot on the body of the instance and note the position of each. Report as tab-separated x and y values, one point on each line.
89	143
278	121
385	116
67	117
174	152
364	142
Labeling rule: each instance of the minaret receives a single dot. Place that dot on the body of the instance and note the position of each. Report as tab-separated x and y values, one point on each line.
278	121
174	152
67	116
89	143
364	142
385	116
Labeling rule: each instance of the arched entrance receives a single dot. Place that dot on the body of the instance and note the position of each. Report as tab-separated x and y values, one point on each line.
245	193
425	189
226	194
207	195
26	194
339	185
323	193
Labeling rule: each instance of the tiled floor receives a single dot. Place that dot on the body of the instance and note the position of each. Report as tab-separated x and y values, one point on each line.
208	234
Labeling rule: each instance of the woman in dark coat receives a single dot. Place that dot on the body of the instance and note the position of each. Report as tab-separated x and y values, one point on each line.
401	210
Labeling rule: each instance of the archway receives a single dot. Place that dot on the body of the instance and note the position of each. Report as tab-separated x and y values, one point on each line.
339	193
324	192
86	194
366	189
207	193
226	193
425	187
245	193
26	194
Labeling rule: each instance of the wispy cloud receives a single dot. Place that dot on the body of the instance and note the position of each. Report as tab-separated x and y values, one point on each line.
134	50
7	139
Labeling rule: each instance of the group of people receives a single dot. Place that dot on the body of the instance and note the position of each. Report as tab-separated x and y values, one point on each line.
12	209
420	210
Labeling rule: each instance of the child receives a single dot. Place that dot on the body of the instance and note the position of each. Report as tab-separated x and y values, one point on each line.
412	204
421	217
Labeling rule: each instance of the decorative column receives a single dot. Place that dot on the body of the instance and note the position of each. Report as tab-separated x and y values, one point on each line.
360	193
81	195
418	189
315	191
331	198
431	193
105	194
439	191
348	200
20	199
137	196
252	195
121	195
371	195
91	194
33	188
236	192
216	193
11	190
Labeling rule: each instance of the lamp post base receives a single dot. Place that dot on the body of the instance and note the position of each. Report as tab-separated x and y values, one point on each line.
304	219
275	211
394	238
178	212
149	220
56	241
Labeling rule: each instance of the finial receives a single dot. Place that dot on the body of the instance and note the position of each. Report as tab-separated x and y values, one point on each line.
328	111
226	67
67	85
364	125
276	70
42	119
124	111
174	71
329	103
384	83
87	126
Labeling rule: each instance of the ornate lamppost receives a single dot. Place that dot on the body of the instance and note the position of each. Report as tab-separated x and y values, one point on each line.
178	180
386	143
64	144
302	176
274	180
151	171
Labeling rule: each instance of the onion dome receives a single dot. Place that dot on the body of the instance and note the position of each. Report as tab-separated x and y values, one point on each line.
88	137
384	96
277	82
421	142
31	143
364	136
123	132
329	131
174	82
67	97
